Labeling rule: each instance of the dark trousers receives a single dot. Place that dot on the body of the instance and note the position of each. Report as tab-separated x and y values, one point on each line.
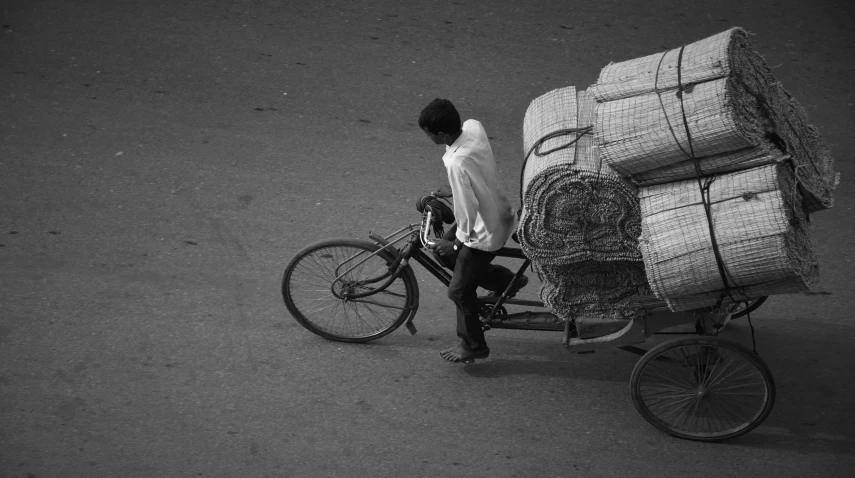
472	269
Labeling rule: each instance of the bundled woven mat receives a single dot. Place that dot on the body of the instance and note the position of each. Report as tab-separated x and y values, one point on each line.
573	216
646	132
758	225
580	221
574	207
609	290
706	100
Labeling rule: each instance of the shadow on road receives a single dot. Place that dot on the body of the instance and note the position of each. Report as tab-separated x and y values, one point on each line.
770	438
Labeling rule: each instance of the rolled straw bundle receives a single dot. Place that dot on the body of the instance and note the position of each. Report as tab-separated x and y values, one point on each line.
754	111
647	132
718	56
574	207
759	226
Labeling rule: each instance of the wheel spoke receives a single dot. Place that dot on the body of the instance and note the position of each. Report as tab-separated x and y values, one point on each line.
679	406
713	389
661	370
725	411
725	373
319	299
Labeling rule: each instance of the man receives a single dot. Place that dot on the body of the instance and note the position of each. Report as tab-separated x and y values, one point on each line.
485	220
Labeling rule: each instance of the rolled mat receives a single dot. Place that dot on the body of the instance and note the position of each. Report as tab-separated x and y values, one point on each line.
580	220
722	92
646	132
597	289
717	56
571	216
760	229
575	208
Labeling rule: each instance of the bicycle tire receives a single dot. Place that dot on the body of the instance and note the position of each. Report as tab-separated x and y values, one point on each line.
309	292
702	388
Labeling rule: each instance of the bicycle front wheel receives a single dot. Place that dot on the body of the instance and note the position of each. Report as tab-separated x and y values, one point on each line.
320	280
705	389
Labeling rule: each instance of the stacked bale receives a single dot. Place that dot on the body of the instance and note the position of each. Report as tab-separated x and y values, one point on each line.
580	221
760	230
727	167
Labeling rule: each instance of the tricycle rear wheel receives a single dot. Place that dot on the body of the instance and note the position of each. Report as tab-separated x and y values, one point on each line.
702	388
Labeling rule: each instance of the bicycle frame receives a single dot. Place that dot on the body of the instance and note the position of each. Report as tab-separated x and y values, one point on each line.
413	250
492	312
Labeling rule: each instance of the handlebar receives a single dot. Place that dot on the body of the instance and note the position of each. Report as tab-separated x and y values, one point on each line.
423	233
436	211
401	259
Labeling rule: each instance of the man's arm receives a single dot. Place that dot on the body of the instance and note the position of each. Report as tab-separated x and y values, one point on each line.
465	211
466	203
445	245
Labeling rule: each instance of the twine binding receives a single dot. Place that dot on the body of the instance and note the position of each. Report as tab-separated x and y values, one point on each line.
535	148
702	184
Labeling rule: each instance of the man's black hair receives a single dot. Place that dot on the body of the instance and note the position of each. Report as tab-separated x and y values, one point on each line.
440	116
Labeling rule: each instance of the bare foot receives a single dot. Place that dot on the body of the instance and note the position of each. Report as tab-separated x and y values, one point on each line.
458	353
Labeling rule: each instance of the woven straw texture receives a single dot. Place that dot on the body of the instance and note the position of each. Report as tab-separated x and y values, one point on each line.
581	221
609	290
760	228
721	163
708	59
729	102
551	112
574	207
811	156
572	216
742	294
646	132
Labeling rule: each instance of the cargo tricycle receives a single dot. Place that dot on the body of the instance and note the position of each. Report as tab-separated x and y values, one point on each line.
697	386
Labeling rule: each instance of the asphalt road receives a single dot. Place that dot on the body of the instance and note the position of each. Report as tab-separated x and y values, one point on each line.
161	161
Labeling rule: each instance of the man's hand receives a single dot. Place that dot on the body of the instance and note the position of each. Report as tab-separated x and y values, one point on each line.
443	247
442	192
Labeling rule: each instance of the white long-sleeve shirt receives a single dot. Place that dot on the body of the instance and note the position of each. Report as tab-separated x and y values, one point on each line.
485	217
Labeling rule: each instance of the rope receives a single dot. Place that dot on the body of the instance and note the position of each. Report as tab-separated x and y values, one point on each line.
703	184
662	105
753	342
535	148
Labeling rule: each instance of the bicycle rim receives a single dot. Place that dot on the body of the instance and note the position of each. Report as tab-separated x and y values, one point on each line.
702	389
315	292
